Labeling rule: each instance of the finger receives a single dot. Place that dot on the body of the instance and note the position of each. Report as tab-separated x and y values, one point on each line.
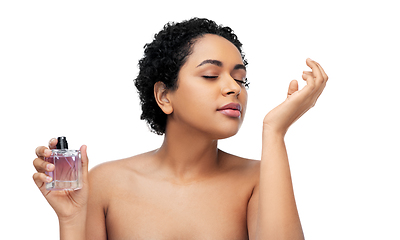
325	79
293	87
43	152
40	180
323	72
321	87
85	164
53	143
42	166
311	86
315	69
306	74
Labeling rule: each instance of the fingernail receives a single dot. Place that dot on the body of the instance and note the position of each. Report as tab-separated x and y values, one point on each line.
48	166
48	179
47	152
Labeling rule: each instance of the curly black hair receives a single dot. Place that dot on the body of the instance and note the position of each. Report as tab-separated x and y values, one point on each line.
164	57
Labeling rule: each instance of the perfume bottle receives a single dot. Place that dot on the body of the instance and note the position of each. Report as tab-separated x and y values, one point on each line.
67	174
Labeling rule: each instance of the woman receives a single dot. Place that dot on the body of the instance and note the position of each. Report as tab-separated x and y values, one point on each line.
192	86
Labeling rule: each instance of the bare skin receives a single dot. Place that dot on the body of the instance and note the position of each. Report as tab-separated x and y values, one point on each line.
188	188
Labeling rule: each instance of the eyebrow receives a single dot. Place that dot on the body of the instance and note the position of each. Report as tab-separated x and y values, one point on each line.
219	64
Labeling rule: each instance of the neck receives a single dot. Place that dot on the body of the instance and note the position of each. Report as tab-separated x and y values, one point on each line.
187	156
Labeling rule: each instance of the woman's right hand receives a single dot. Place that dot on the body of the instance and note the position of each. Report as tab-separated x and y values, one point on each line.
67	204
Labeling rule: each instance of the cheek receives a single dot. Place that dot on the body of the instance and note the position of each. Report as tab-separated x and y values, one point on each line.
193	100
243	100
197	92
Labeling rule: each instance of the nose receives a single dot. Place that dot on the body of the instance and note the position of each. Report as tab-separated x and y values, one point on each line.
230	87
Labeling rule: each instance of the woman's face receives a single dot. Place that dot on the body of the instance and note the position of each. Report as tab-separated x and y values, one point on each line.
210	97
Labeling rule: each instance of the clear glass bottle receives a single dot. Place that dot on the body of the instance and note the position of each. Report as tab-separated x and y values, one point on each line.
67	174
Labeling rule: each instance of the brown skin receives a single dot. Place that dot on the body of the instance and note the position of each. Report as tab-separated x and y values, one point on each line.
188	188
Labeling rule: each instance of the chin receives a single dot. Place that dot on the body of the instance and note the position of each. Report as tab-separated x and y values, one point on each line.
227	129
226	132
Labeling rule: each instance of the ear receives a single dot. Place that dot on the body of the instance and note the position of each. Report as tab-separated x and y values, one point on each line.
162	98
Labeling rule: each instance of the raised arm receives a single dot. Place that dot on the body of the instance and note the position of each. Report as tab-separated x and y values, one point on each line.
70	206
277	215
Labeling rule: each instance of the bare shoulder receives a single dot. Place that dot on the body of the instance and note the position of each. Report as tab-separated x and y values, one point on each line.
240	162
106	177
243	166
119	168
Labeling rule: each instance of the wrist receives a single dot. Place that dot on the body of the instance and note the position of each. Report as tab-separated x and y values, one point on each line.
73	227
74	231
78	216
271	132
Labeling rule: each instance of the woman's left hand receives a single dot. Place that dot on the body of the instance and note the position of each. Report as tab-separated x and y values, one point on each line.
298	101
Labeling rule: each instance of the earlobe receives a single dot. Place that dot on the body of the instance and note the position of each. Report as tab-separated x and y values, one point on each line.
162	99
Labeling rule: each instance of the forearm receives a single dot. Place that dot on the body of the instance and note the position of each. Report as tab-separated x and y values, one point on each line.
278	217
74	229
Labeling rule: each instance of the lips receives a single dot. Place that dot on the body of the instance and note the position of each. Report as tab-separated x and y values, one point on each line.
231	110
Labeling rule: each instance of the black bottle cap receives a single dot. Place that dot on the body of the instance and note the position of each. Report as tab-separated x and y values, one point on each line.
62	143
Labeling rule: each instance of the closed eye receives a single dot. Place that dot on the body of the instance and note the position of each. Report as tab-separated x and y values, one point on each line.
244	83
210	77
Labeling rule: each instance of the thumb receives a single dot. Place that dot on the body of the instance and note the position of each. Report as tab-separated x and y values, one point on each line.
293	87
85	164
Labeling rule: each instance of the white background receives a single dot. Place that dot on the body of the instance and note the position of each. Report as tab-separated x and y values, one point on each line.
67	68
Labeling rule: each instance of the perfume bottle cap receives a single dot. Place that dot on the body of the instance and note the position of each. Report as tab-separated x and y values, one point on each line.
62	143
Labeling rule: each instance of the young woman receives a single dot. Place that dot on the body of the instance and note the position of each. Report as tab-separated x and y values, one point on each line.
192	86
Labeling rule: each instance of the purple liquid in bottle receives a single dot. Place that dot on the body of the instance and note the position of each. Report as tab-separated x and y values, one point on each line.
67	174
